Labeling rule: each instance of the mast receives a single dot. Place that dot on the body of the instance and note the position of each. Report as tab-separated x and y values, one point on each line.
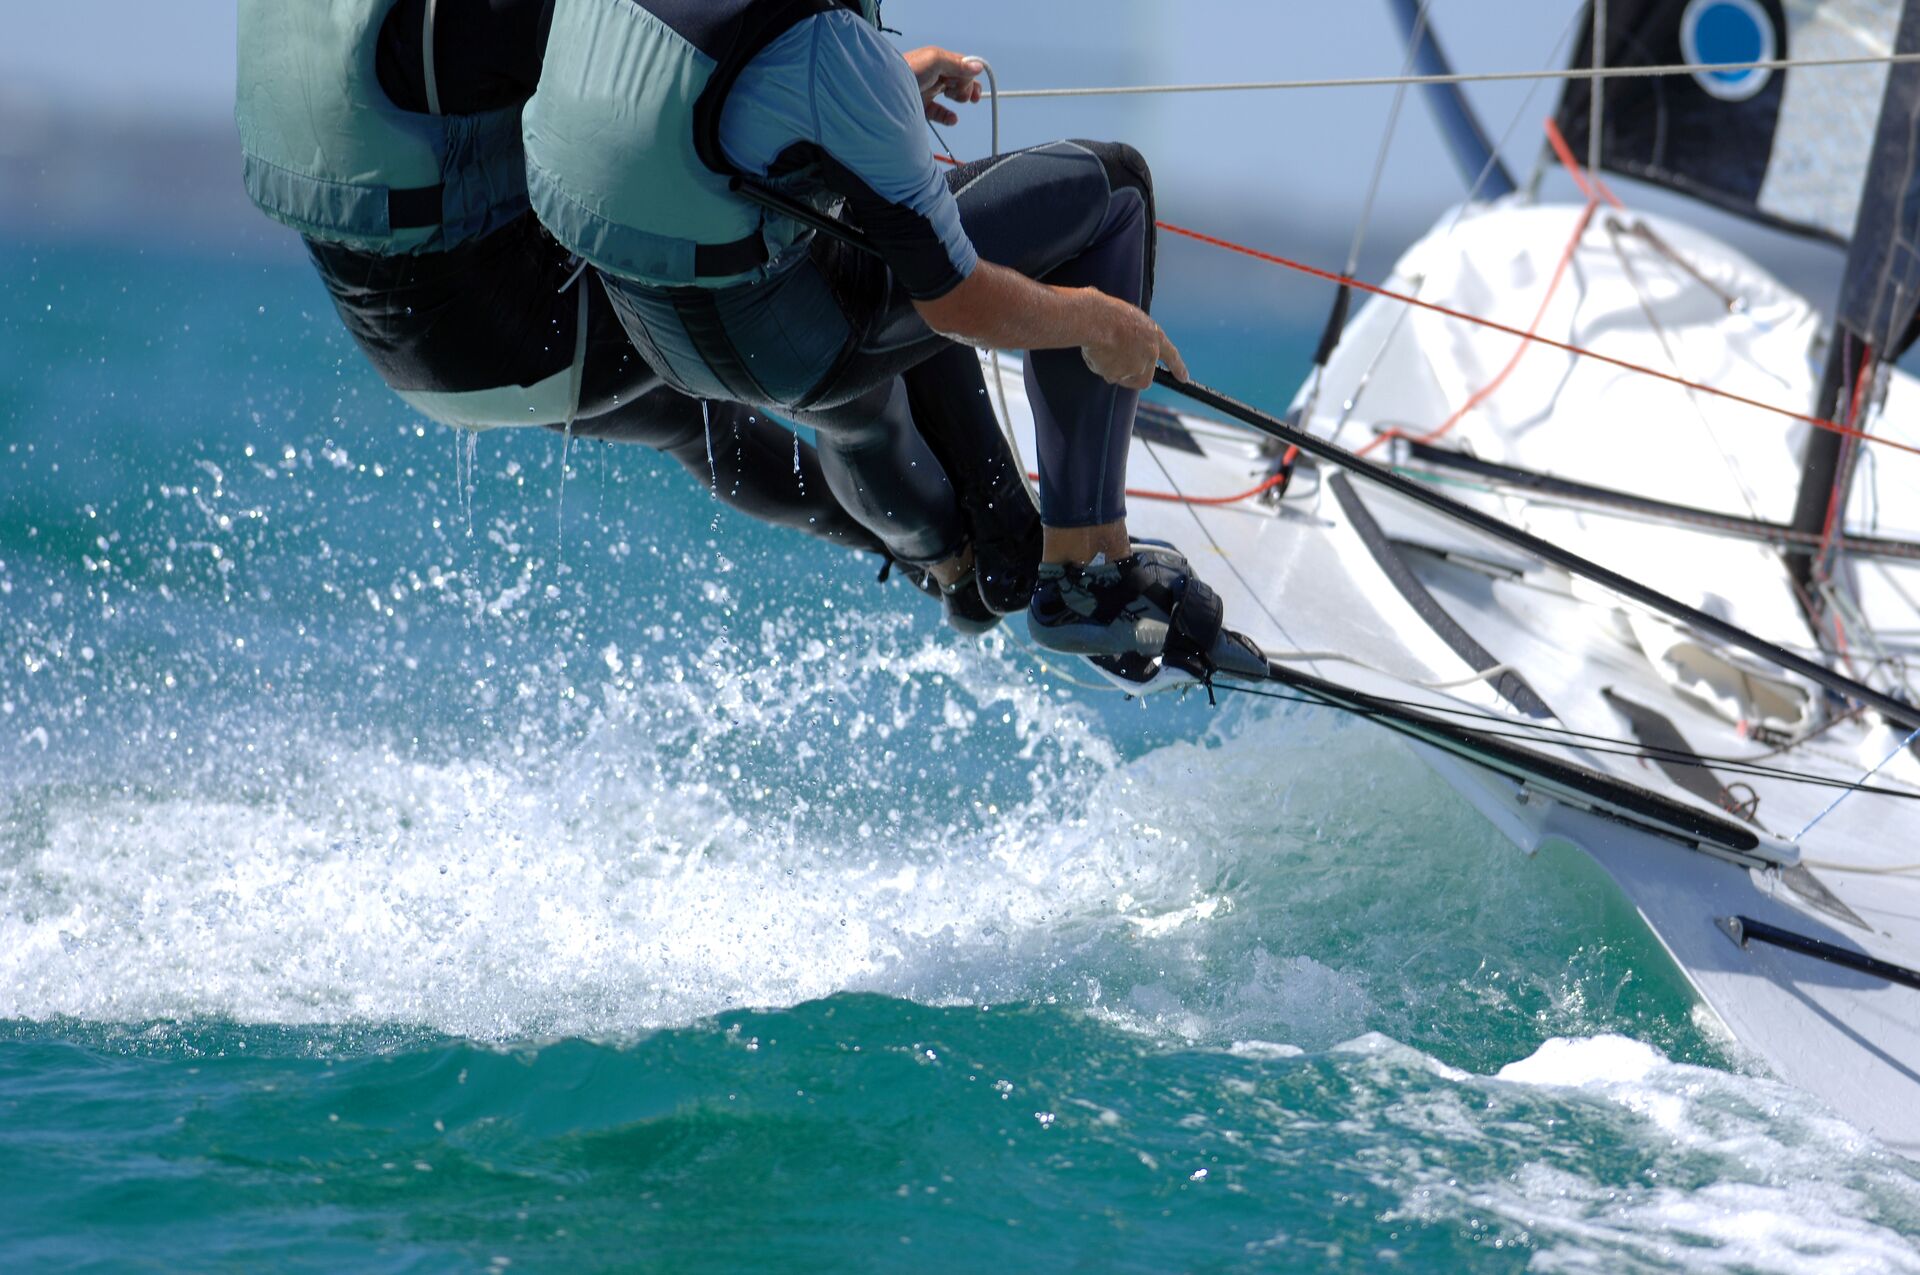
1821	482
1875	321
1480	165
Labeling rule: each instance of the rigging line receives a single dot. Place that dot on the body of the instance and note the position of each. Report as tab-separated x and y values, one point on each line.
1352	401
1487	391
1760	533
1546	488
947	155
1330	276
1471	77
1206	531
1614	231
1588	179
1897	750
1889	706
1596	104
1836	500
1336	319
1177	497
1386	142
1817	781
1653	752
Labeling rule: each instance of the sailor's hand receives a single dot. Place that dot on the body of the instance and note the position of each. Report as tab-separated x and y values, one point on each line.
1131	347
944	73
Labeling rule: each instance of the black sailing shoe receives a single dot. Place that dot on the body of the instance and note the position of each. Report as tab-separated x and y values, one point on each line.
965	604
1006	543
962	604
1146	621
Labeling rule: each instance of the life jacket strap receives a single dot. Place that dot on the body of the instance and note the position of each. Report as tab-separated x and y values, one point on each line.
417	208
718	260
762	24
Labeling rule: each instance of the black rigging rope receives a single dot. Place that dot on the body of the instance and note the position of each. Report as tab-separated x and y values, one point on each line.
1641	752
1893	709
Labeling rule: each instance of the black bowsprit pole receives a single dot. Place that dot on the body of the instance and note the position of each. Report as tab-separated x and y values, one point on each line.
1892	709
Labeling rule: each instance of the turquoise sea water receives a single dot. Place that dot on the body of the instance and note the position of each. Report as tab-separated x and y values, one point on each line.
411	860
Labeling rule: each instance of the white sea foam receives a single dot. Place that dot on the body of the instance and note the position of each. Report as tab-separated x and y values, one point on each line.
627	882
1709	1170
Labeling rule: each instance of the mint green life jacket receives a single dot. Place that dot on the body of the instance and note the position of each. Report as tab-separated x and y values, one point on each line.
328	154
624	164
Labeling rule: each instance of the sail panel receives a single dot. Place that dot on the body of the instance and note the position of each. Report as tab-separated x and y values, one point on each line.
1882	286
1826	114
1788	148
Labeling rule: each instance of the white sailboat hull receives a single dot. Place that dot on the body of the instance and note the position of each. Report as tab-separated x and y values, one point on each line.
1356	586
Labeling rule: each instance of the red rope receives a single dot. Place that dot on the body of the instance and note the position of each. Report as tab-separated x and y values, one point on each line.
1589	183
1596	191
1332	276
1486	391
1832	524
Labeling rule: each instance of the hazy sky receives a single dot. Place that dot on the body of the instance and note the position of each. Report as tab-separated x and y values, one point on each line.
1284	150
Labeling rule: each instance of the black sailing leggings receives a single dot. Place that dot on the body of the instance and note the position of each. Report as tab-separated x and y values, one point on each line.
497	312
1072	214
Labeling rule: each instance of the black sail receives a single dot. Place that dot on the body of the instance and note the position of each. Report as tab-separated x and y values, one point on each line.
1788	147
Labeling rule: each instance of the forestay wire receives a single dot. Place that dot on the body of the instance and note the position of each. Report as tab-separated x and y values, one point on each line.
1470	77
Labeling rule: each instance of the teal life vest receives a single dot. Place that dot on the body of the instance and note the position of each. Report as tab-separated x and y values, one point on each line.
624	164
328	154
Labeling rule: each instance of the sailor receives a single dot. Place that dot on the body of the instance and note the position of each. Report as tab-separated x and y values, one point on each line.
661	133
388	133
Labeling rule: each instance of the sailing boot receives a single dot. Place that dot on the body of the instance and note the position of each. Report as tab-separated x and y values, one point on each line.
951	410
966	612
1146	621
1006	539
965	603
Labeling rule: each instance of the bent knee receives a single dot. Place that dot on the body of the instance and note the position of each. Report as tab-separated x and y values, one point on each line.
1126	168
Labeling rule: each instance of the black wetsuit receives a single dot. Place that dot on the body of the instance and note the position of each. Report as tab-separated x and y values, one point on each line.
499	311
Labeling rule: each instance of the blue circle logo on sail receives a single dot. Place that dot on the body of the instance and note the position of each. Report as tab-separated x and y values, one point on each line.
1717	31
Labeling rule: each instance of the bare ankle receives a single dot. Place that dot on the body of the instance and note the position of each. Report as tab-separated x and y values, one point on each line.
1080	545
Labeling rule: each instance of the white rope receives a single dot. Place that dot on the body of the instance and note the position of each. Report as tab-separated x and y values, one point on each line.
1336	657
993	101
1472	77
999	378
1859	870
1295	657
